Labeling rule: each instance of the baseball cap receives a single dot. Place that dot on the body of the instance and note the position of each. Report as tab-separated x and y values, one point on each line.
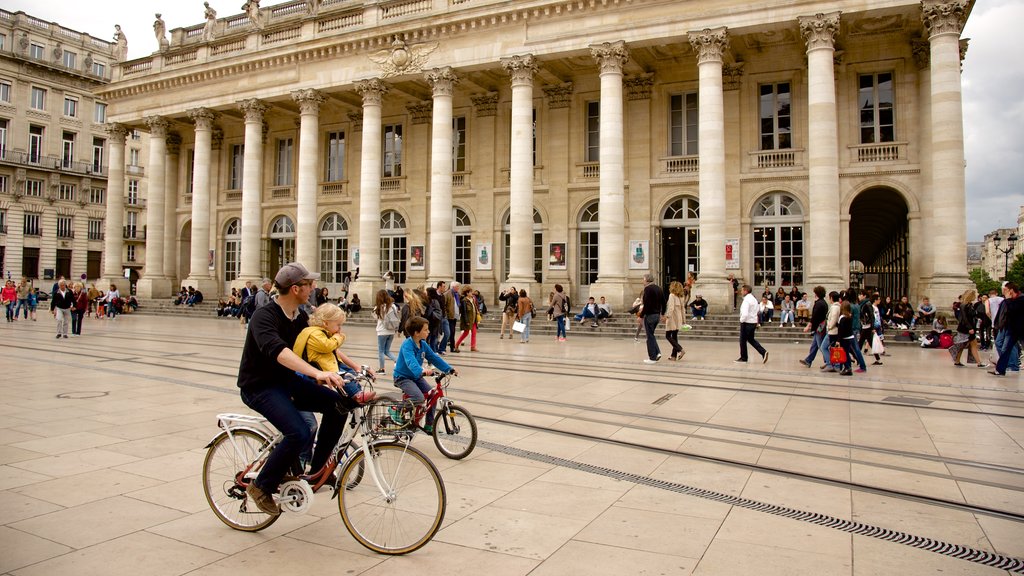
291	274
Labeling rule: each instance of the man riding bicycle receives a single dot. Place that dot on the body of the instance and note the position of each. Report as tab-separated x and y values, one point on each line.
269	384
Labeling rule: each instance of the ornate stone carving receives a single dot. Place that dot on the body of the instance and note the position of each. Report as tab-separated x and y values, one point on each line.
372	91
216	138
879	25
157	126
202	117
23	43
819	31
309	100
442	81
485	104
356	118
559	96
732	76
120	51
253	108
173	143
88	62
610	56
944	16
520	68
922	51
710	44
402	58
58	52
252	10
421	113
118	132
639	87
963	48
210	15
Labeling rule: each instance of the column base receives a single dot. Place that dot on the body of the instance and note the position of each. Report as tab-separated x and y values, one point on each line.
830	283
153	288
716	290
942	291
619	294
208	286
367	291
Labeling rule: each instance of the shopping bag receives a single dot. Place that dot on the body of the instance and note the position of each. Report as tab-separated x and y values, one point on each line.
837	355
568	322
876	344
518	326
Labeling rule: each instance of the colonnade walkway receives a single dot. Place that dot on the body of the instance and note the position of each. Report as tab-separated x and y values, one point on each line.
589	462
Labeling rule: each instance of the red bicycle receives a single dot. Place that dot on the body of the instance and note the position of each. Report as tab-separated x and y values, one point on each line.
454	428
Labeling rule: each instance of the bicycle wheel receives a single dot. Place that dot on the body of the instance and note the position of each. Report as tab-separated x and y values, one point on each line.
226	496
454	432
410	513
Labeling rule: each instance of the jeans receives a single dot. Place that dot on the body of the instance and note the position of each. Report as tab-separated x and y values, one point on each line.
526	326
584	315
1009	352
854	352
415	390
63	320
560	329
10	311
703	312
384	349
76	321
747	330
820	343
787	316
446	336
22	305
307	452
850	348
451	333
281	405
651	322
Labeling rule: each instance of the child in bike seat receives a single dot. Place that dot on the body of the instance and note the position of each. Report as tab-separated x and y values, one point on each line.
320	343
409	372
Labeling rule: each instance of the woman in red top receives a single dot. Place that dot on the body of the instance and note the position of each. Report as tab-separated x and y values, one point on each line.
79	308
9	296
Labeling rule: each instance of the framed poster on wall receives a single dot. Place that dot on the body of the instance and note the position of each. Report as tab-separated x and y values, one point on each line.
556	256
484	255
416	261
639	254
732	254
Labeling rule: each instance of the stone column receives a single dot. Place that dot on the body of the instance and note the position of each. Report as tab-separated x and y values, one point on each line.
611	268
199	271
439	253
154	283
370	171
921	257
944	19
710	46
113	244
171	209
252	191
822	246
522	70
307	249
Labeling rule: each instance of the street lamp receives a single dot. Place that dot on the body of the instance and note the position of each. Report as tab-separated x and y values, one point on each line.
1010	241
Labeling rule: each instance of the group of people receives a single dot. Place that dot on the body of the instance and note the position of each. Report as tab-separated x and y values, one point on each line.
188	296
70	303
1000	312
850	320
20	299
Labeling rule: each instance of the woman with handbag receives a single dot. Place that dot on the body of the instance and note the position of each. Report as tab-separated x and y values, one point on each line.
524	314
846	343
967	330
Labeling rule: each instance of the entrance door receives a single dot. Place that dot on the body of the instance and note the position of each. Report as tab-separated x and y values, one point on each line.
679	253
64	263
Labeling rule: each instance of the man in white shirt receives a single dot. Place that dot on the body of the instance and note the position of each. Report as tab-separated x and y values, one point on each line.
748	325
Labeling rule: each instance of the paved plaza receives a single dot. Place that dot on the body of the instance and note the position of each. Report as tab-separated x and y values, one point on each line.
590	462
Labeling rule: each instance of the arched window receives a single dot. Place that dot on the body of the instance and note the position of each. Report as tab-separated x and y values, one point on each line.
281	243
589	243
462	241
232	249
680	238
538	244
393	245
333	248
778	241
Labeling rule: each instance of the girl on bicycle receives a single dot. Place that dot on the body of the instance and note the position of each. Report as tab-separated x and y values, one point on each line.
409	372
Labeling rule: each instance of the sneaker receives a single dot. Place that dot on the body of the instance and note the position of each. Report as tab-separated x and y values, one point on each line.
594	325
805	363
764	359
739	361
657	358
428	428
263	501
994	373
860	370
681	354
380	371
649	361
876	363
979	365
845	373
829	369
561	339
396	416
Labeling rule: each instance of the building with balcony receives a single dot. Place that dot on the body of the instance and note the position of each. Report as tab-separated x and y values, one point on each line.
557	141
53	150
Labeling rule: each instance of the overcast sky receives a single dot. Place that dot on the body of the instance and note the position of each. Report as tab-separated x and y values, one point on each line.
993	81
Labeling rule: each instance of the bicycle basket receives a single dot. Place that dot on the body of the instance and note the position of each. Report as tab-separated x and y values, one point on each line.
388	415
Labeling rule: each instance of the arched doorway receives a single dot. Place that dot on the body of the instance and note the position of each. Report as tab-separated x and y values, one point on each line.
680	239
393	254
462	243
879	238
281	245
777	234
333	248
185	251
232	252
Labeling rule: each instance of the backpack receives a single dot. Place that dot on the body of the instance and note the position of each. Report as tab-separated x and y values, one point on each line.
391	319
249	306
867	315
566	306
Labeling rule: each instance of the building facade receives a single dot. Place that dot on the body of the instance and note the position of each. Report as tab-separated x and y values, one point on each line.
54	156
556	141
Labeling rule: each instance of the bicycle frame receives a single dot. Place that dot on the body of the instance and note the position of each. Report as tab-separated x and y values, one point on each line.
434	399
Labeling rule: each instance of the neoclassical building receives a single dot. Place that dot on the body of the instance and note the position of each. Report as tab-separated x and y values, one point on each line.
580	142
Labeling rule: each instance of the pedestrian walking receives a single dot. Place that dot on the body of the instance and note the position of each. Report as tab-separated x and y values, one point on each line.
653	302
748	326
674	318
60	307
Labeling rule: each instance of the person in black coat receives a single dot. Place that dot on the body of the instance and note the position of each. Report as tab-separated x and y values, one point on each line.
60	306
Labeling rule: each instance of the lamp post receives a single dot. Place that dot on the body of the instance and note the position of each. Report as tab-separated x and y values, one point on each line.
1010	242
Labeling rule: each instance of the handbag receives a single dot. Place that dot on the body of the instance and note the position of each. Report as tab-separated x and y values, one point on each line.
518	326
876	345
837	355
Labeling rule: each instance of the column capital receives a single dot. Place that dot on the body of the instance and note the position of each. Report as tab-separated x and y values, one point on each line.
485	104
520	68
173	143
254	109
372	91
309	100
559	96
944	16
202	117
819	31
710	44
158	126
442	80
732	76
610	56
421	112
118	133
